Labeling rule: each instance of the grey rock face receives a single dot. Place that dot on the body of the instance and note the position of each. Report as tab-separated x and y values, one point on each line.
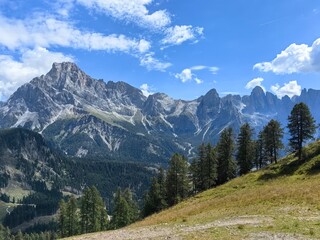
84	116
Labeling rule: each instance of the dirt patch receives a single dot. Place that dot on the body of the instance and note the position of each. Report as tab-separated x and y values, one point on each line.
276	236
176	232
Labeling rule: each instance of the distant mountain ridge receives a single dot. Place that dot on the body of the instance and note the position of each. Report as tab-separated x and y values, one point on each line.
88	117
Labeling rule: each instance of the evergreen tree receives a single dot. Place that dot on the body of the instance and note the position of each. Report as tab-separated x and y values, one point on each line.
226	163
204	168
63	224
211	167
163	191
177	183
93	213
72	217
19	236
273	133
121	215
95	209
155	199
84	210
198	169
104	221
245	154
260	153
301	127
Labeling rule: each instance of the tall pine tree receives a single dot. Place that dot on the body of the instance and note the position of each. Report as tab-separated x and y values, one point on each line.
273	134
93	213
260	153
155	199
72	217
246	151
63	224
177	179
204	168
225	151
301	127
125	209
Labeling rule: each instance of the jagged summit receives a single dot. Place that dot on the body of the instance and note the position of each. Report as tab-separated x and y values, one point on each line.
85	116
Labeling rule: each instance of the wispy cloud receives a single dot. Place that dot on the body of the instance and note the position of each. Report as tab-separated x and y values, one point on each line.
294	59
188	74
178	34
151	63
132	11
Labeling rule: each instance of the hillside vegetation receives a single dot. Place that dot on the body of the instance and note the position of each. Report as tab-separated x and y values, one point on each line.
281	201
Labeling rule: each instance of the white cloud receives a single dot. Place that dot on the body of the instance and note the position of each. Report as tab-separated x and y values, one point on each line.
254	83
213	70
133	11
136	12
187	74
179	34
294	59
198	67
33	63
151	63
290	89
47	31
63	7
198	80
145	88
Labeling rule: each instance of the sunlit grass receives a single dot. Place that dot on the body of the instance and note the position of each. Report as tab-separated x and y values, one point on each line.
288	193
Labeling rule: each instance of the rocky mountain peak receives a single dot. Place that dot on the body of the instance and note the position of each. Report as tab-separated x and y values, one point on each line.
258	92
67	75
88	116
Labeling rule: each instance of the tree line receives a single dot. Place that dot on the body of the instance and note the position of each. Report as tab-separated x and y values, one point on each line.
89	214
6	234
231	157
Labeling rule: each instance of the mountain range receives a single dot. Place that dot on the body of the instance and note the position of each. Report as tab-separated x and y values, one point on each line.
85	117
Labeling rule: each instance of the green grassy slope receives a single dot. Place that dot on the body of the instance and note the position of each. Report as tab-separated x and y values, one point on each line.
281	201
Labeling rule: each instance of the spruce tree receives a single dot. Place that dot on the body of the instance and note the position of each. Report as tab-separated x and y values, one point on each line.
273	133
260	153
95	210
204	168
211	167
120	213
198	169
63	224
72	217
125	210
84	210
153	199
92	211
225	150
177	179
133	208
301	127
245	153
163	191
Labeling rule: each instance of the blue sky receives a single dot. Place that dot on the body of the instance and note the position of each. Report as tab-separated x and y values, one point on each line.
181	48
